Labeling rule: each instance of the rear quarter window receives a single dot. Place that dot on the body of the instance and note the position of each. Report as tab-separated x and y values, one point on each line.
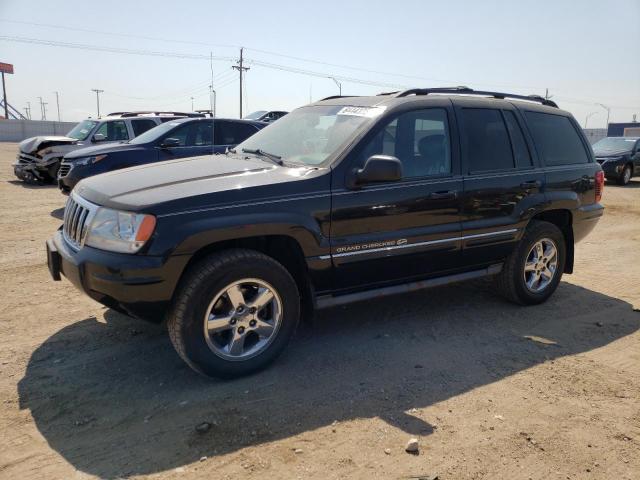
556	139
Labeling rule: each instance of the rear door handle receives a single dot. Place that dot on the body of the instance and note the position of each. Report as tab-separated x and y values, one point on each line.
444	195
531	184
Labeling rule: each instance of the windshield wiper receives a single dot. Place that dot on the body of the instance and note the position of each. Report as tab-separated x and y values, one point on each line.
274	158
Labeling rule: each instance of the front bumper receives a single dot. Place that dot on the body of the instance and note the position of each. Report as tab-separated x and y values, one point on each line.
137	285
70	174
612	168
26	172
30	168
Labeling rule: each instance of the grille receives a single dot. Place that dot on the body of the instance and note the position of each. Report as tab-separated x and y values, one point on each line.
22	158
64	170
78	214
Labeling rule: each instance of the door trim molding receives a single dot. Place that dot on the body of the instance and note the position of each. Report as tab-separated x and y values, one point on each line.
418	244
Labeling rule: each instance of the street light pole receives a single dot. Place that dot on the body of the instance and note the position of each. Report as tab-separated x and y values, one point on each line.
192	104
608	109
586	120
98	92
338	84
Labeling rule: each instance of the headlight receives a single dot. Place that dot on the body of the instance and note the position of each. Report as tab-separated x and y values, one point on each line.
116	231
88	160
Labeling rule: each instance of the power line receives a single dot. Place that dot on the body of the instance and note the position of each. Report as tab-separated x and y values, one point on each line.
266	52
116	34
81	46
255	62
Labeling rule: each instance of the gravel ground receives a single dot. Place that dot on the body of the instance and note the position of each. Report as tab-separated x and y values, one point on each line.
489	389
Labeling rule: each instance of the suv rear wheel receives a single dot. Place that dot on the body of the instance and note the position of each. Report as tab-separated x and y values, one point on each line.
534	269
234	313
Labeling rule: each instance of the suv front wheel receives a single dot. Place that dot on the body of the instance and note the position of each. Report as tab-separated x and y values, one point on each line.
534	269
234	313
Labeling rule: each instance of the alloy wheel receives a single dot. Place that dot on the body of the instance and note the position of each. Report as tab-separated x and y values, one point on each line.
243	319
541	265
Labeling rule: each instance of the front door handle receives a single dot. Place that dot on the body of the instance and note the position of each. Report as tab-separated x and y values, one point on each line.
531	184
443	195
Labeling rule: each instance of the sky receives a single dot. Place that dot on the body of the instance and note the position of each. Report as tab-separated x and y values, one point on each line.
156	54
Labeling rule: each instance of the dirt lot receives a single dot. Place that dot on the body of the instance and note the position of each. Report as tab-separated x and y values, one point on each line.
491	390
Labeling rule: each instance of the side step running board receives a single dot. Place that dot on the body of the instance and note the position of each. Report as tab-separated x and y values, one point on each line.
326	301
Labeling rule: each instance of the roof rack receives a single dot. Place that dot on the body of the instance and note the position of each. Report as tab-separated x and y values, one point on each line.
462	90
154	112
337	96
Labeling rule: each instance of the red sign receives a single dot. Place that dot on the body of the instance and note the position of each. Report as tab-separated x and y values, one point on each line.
6	68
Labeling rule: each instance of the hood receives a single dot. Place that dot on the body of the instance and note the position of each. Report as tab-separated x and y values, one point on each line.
101	149
173	183
612	152
33	144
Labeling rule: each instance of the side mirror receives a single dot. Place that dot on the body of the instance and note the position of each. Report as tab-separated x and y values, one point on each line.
99	137
378	168
170	143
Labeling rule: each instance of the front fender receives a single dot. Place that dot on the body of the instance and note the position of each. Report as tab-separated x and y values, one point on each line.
177	235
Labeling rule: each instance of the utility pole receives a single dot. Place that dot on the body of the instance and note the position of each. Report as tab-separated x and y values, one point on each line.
338	84
43	109
546	95
4	94
192	104
608	109
98	92
58	104
240	69
212	101
28	110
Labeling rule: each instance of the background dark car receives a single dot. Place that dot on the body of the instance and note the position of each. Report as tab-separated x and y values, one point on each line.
619	157
175	139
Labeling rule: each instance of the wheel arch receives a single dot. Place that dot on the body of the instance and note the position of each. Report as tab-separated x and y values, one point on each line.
563	219
285	249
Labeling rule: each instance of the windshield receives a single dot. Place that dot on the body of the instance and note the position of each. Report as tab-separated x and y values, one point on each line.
154	133
309	135
255	115
82	130
614	143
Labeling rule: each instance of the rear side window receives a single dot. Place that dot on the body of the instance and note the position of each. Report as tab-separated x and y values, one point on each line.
486	144
520	149
141	126
231	133
556	139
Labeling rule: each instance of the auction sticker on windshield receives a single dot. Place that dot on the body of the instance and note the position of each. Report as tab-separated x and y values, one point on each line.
362	111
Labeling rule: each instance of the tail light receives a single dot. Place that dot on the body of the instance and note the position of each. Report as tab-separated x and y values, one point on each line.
599	185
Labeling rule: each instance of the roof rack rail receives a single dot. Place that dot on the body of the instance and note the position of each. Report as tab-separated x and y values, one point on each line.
462	90
337	96
154	112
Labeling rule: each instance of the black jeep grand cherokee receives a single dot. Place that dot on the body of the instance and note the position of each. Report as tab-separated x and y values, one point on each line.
343	200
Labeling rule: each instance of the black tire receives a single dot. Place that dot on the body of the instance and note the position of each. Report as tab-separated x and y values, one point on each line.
625	175
510	282
53	171
199	287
